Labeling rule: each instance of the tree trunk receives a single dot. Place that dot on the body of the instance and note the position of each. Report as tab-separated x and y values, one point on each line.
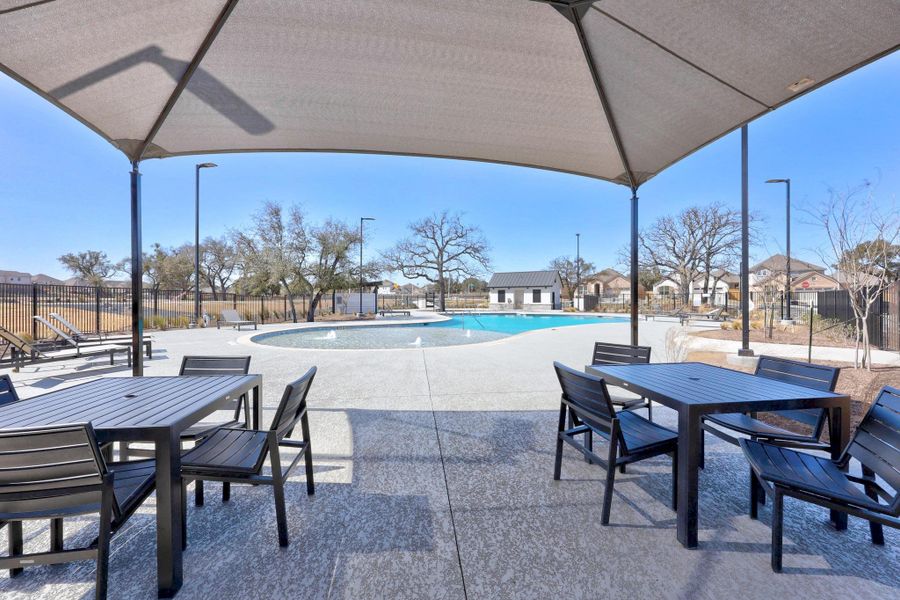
442	295
313	304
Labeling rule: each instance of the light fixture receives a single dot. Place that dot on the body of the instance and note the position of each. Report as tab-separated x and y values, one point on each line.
801	84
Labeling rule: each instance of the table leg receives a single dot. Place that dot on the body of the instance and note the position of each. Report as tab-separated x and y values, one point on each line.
169	516
839	435
689	433
257	406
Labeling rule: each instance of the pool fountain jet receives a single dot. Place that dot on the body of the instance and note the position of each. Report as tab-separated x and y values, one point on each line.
331	335
468	333
417	343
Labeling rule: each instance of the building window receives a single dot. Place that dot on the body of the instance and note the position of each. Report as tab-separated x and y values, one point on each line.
501	296
536	296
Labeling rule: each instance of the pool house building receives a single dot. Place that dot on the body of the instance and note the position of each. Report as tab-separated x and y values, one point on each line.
525	290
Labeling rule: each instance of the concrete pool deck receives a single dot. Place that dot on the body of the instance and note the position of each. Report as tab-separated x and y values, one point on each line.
434	480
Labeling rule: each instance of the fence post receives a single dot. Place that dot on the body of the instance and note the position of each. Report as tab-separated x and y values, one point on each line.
34	307
234	300
97	307
809	355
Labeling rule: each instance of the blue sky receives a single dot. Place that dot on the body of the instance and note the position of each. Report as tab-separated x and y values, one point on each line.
63	189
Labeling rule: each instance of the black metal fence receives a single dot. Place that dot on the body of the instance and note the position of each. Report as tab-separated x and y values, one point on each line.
108	309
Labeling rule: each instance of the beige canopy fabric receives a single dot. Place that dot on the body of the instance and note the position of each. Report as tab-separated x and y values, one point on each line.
612	89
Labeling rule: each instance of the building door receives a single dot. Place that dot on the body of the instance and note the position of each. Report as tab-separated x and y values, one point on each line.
518	299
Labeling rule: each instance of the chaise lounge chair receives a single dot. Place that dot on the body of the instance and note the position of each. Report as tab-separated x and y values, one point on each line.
675	314
394	311
22	352
231	317
81	336
710	315
75	342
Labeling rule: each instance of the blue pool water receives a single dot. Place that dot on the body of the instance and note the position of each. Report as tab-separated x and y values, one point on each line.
459	330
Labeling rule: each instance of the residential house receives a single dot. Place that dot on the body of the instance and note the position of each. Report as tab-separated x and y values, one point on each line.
15	277
608	284
387	288
770	272
41	279
719	284
525	290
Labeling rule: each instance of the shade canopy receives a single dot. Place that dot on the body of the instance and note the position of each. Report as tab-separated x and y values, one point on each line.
612	89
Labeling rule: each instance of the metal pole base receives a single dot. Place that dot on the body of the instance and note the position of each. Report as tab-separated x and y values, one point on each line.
192	325
745	352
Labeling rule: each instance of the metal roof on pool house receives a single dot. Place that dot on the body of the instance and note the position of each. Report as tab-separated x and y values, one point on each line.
525	279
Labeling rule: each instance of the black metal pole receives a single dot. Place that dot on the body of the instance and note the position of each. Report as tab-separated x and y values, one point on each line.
634	267
787	282
137	275
745	247
195	321
360	263
577	266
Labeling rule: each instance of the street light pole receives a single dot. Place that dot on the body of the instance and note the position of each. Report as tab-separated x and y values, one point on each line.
787	268
361	219
195	320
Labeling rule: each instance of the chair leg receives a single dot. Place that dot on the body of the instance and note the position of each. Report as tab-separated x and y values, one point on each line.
106	515
226	491
610	482
588	444
754	495
280	512
701	460
16	547
198	492
307	457
184	542
622	469
876	530
123	451
675	480
650	410
56	535
777	526
557	464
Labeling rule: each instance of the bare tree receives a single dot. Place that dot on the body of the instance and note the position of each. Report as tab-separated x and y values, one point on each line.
277	247
218	263
440	246
93	266
673	247
569	271
330	262
720	242
860	237
170	268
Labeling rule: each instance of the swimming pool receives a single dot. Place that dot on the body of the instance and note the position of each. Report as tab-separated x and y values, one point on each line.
456	331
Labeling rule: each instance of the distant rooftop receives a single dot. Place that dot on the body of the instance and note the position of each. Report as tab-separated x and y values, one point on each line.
778	262
523	279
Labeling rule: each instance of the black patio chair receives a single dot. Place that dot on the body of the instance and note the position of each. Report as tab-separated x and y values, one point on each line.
631	437
58	472
7	390
606	353
239	408
235	455
822	481
809	375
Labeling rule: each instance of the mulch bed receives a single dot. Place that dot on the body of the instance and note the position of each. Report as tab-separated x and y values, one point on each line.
860	384
792	335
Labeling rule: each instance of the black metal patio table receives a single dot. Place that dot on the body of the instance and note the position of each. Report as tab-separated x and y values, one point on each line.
696	389
144	409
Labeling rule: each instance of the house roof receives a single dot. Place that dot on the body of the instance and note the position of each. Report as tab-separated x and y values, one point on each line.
605	276
46	279
778	262
524	279
14	274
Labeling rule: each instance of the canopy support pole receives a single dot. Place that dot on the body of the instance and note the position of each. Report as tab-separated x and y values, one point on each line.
137	275
745	247
574	12
634	267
